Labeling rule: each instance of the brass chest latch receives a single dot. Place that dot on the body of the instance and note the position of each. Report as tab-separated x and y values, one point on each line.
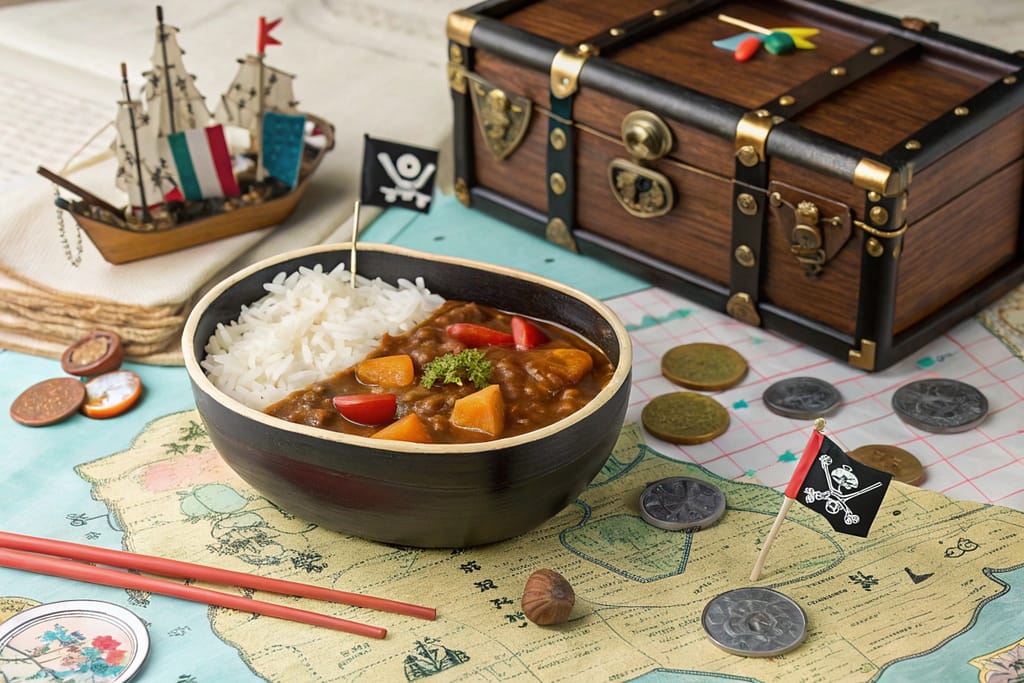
816	227
639	189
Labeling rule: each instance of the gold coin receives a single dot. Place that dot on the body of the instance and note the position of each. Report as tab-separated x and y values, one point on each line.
702	366
899	463
685	417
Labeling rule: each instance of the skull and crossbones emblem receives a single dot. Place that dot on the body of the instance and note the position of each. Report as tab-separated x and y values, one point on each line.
842	486
409	176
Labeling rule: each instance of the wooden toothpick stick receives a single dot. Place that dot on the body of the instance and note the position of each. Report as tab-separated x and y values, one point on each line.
743	24
787	501
755	574
355	235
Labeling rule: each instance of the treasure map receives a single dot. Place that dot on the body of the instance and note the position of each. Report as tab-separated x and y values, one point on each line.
935	592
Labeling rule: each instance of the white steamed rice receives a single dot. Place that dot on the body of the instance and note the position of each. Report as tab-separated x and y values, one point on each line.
308	326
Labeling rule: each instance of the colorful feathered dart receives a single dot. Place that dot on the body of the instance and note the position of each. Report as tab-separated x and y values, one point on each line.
777	41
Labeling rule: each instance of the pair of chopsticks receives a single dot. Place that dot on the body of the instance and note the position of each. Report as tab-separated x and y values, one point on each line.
65	559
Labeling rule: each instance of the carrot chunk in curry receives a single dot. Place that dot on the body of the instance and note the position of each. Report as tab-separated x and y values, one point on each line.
386	371
523	389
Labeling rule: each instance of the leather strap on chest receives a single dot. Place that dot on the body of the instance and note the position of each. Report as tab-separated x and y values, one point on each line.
749	196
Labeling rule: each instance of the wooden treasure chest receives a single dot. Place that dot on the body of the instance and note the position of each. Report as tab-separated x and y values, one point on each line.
858	189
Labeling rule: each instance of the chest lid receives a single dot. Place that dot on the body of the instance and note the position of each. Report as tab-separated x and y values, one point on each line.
867	85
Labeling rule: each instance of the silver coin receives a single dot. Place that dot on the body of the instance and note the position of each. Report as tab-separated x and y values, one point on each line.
943	406
755	622
802	398
677	503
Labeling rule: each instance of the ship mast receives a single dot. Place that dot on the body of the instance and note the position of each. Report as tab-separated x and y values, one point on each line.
146	218
261	48
167	73
260	172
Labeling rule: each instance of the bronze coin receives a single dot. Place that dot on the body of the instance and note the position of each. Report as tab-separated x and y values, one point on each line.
685	417
703	366
899	463
95	354
48	401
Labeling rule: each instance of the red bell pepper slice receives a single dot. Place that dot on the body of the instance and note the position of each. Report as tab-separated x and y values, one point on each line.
526	335
474	336
367	409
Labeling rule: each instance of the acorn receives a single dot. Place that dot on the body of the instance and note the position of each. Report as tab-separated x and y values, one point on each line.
547	598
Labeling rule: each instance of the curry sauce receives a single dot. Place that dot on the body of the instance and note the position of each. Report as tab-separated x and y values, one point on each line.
537	385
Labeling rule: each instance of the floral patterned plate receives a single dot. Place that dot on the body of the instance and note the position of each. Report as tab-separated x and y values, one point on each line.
73	640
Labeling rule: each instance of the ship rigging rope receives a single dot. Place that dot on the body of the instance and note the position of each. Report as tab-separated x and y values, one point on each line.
75	259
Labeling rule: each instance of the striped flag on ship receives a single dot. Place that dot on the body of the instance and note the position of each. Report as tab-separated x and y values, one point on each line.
203	162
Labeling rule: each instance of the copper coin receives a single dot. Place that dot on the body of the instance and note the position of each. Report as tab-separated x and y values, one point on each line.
702	366
685	418
49	401
94	354
902	465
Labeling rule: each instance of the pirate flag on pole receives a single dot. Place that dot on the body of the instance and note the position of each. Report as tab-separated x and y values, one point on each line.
837	487
845	492
397	175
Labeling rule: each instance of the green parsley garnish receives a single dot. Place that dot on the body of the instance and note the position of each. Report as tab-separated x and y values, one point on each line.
453	368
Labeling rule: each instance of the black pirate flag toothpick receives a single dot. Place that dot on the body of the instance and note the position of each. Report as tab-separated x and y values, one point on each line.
845	492
395	174
840	489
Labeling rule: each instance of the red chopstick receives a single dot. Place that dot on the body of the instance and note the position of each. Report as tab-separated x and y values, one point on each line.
70	569
187	570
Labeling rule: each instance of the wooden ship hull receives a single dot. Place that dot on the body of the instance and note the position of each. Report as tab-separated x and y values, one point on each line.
118	243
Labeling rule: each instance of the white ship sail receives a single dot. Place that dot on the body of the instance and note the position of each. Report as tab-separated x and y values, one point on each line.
240	104
138	149
171	95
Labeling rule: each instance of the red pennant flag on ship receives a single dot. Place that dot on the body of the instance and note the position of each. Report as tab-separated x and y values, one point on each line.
265	38
845	492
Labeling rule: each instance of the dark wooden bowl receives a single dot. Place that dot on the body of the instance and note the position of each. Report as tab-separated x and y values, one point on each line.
423	495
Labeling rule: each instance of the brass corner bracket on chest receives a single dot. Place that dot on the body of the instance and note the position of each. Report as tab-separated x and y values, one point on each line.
874	176
864	358
460	27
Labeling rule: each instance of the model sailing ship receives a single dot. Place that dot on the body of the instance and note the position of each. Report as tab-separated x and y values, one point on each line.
191	176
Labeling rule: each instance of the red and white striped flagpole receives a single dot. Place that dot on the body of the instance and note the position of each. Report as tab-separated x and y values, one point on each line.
791	492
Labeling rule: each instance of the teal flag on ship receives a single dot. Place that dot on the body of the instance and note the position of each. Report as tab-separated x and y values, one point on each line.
283	139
